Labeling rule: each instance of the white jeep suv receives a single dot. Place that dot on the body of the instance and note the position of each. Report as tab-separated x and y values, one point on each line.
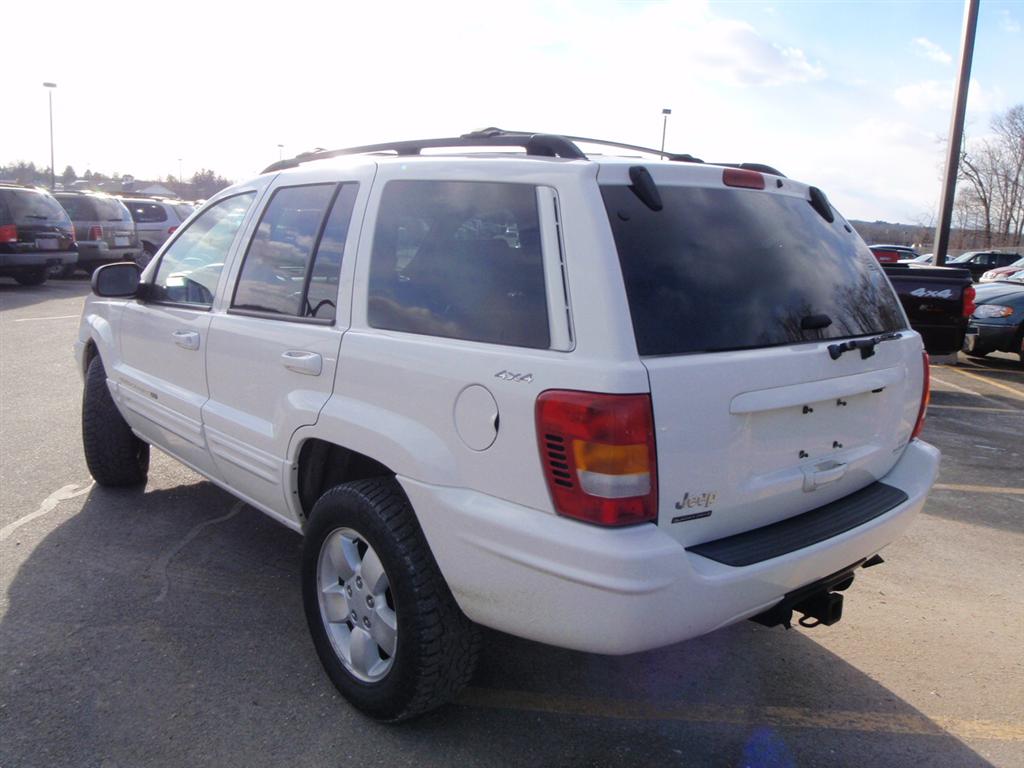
606	403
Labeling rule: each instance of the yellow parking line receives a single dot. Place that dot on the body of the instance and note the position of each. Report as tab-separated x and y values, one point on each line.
975	408
791	717
1012	390
978	489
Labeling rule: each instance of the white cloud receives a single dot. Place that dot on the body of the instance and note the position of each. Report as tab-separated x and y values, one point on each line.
930	50
737	53
1008	23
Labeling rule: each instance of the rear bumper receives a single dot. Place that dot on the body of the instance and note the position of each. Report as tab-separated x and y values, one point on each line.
37	259
93	252
557	581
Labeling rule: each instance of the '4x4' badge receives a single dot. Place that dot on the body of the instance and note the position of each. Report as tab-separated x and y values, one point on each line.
526	378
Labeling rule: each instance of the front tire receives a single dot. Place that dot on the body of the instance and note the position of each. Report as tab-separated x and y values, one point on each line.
385	625
114	455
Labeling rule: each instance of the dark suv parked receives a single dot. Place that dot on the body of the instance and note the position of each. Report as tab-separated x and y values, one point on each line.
35	234
980	262
106	232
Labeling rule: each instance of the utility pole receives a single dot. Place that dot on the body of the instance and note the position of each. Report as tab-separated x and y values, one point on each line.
956	132
53	171
664	126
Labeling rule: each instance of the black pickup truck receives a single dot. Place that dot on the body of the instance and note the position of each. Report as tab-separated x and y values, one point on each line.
938	302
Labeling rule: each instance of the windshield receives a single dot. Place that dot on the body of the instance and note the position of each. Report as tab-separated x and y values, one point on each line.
721	269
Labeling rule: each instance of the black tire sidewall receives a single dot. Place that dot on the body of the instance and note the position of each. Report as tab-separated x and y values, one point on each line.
342	508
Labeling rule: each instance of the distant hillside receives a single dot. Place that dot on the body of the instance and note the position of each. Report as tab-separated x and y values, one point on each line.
921	237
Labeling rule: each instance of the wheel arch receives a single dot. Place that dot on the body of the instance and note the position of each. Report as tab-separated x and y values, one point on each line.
319	465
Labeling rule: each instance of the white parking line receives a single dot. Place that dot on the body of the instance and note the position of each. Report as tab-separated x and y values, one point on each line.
49	503
55	317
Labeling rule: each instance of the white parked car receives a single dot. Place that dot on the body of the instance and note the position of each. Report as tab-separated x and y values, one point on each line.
603	403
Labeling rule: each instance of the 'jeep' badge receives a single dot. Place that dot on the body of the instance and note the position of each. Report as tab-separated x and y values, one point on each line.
697	501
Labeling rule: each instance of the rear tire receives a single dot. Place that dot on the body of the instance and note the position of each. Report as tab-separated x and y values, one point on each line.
114	455
368	529
32	277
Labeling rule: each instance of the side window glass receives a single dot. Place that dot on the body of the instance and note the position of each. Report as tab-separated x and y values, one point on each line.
462	260
190	267
322	295
276	271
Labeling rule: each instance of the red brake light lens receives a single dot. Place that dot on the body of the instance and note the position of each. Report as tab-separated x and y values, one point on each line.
170	230
742	177
8	233
598	455
969	296
926	394
95	232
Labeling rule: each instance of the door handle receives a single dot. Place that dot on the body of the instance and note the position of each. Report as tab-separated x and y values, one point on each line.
300	361
822	474
186	339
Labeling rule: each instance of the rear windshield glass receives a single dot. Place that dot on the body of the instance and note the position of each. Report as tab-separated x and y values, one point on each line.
26	206
87	208
183	210
721	269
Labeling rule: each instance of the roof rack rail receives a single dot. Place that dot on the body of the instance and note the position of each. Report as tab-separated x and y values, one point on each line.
535	144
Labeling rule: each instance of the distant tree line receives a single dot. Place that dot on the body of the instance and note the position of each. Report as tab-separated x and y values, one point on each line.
203	184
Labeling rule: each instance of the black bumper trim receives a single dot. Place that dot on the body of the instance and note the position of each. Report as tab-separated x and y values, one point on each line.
803	530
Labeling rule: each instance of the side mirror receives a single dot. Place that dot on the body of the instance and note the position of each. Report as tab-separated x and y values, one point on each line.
116	281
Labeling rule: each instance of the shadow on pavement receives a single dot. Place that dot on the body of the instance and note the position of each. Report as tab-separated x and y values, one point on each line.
97	671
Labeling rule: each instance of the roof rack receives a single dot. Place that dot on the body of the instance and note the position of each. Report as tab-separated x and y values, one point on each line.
535	144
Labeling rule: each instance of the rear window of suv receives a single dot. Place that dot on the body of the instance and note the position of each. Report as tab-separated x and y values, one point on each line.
87	208
26	206
724	269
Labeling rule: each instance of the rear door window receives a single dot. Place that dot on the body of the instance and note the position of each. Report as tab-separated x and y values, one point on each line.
293	263
723	269
147	213
460	259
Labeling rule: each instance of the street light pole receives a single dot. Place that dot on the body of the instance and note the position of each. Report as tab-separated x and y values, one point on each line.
280	149
956	133
664	126
53	171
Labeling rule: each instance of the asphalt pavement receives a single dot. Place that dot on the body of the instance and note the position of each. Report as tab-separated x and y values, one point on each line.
164	627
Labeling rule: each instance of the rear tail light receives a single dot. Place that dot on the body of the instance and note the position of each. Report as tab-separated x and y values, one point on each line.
598	455
742	177
969	295
95	233
926	394
170	230
8	233
74	232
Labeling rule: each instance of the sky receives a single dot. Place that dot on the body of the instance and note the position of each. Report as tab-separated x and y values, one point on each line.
852	97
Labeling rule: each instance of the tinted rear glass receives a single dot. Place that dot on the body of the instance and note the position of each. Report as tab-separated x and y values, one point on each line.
26	206
720	269
183	211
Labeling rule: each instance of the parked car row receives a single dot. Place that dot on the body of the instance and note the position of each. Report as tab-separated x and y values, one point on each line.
44	234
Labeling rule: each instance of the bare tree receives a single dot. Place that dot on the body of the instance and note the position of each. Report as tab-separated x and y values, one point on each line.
991	198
